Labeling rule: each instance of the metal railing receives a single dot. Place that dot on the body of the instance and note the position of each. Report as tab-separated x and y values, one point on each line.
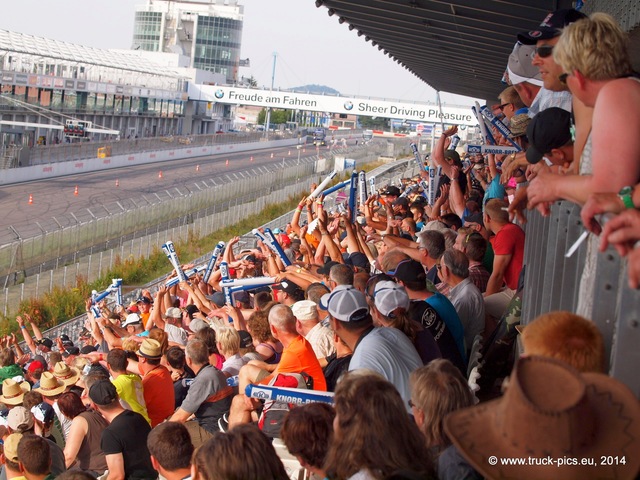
384	174
198	210
552	282
65	152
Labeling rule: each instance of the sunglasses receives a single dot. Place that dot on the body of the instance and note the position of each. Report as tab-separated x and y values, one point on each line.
501	107
543	51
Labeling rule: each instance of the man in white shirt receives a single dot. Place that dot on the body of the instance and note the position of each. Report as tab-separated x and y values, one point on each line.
309	326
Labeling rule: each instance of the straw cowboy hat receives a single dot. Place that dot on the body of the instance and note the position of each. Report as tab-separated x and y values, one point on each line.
13	392
150	348
50	386
551	411
69	376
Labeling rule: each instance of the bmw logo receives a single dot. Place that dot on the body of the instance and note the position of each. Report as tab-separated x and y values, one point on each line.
219	94
348	105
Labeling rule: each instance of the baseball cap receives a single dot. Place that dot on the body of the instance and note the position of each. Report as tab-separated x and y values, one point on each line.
287	286
35	365
88	349
217	298
409	271
47	342
326	268
356	259
173	313
43	412
11	447
20	419
197	324
305	310
388	296
103	392
519	66
144	299
346	304
283	239
71	351
132	319
551	26
246	340
549	129
391	190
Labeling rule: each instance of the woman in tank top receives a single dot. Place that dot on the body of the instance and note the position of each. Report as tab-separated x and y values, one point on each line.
83	442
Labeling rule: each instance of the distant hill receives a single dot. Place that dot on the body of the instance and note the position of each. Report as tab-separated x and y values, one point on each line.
315	89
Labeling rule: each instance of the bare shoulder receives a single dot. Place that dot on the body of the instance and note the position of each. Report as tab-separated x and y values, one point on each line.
622	90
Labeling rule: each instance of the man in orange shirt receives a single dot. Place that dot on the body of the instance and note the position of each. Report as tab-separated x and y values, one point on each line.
156	382
297	357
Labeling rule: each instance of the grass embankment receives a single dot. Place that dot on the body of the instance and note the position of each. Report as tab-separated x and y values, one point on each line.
62	304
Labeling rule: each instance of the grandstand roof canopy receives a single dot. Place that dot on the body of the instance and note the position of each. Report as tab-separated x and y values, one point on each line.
457	46
70	52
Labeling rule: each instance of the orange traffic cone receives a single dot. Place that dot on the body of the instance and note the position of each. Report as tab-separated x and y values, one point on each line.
251	159
75	191
117	182
30	199
197	168
289	153
272	155
227	162
160	174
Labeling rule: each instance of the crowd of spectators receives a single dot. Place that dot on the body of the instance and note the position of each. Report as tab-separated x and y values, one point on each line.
395	309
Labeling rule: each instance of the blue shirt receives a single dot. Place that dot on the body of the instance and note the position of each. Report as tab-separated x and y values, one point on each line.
449	315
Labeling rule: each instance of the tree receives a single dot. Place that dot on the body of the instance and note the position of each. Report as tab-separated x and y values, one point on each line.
252	82
376	123
277	116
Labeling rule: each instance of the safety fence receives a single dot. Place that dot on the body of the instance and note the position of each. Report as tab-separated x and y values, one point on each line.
384	175
552	282
65	152
195	212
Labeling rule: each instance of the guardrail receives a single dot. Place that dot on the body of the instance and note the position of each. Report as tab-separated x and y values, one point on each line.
64	152
552	282
384	174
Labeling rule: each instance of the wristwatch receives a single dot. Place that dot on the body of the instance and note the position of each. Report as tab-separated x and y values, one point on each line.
626	195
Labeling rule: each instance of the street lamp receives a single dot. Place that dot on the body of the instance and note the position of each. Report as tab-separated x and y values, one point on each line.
299	147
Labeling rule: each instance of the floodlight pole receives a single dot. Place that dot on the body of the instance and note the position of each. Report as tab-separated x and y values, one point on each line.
273	78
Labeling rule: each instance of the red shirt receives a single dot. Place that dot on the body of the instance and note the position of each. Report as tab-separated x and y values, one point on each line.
510	241
158	394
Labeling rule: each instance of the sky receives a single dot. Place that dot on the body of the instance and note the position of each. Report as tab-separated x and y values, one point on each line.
311	47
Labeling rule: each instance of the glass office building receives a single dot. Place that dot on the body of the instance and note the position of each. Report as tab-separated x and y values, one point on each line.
209	32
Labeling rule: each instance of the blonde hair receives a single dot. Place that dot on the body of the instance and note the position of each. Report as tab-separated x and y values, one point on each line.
596	46
373	430
229	340
494	210
129	344
567	337
438	389
510	95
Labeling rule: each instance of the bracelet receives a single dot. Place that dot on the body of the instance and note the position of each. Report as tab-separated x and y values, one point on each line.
23	327
299	210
